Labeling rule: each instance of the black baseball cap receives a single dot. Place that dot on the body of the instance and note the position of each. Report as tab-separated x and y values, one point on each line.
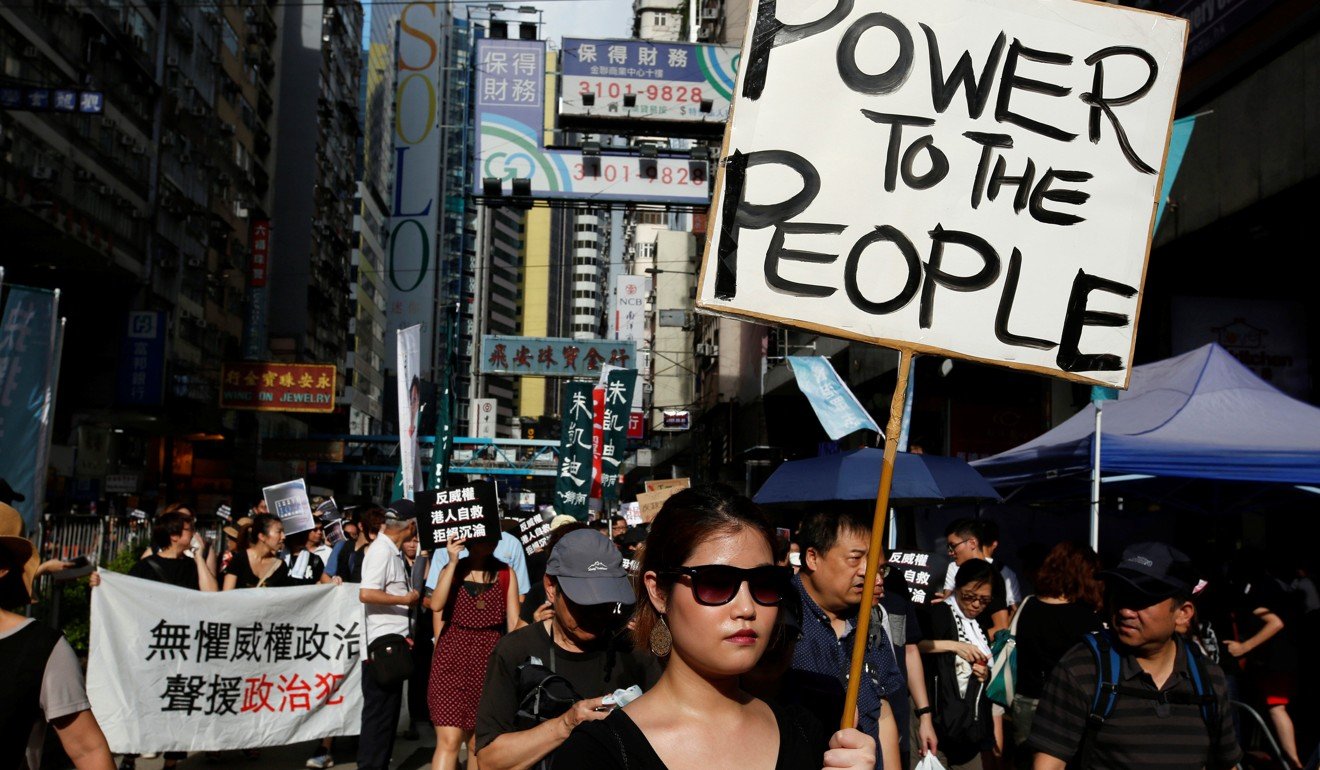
1154	571
590	569
401	510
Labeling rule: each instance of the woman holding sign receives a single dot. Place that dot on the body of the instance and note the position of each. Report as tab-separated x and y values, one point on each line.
475	602
711	595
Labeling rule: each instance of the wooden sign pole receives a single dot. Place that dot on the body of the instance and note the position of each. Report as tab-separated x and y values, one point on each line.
877	537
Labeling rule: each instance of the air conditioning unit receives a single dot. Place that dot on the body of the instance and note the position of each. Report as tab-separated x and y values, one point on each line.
167	140
30	52
82	174
240	210
707	349
139	149
43	172
199	112
103	189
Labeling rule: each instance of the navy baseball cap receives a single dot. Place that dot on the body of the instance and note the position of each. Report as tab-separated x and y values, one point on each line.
401	509
590	569
1152	570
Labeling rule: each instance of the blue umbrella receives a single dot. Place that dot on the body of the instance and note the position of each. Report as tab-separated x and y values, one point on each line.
855	475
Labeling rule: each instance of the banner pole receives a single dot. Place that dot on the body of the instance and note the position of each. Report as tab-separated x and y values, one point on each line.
1095	482
877	538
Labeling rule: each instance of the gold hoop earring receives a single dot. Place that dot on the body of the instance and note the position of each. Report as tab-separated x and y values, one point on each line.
661	640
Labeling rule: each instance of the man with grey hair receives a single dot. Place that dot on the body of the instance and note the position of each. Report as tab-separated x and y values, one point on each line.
387	594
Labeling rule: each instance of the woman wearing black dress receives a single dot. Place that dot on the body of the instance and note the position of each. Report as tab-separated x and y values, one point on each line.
710	602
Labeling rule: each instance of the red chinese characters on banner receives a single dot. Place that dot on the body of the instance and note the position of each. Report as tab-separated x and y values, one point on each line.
276	387
259	241
290	693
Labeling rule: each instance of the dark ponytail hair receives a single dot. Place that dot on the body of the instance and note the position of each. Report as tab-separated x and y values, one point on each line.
974	572
261	524
687	520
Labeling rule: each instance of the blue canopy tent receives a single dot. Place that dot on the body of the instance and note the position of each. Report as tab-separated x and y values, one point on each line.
1199	415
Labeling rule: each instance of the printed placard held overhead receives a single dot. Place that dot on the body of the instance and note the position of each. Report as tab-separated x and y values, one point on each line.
467	512
976	179
289	502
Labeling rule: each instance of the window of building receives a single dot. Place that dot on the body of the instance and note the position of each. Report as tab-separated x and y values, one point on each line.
230	37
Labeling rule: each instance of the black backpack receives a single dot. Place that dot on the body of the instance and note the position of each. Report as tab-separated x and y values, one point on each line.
963	721
1108	665
542	694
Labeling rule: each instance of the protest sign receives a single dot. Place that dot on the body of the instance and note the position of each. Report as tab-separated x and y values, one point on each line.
916	568
655	485
468	512
178	670
632	513
332	521
650	503
289	502
533	533
985	187
573	484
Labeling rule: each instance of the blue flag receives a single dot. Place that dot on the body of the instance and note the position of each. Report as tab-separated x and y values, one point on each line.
1179	138
28	327
838	410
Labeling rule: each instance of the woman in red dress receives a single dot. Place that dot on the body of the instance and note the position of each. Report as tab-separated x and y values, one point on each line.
475	602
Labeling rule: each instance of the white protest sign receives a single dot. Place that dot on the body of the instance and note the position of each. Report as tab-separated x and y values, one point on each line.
178	670
975	179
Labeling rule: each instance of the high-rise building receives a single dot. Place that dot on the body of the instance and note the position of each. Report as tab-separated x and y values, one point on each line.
496	281
314	203
587	275
364	389
136	150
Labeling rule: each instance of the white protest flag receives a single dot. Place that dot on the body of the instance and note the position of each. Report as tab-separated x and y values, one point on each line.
178	670
409	358
975	178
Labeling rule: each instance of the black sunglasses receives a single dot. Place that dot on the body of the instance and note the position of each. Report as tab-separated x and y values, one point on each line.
716	584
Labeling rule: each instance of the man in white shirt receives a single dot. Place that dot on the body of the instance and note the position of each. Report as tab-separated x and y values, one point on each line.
387	594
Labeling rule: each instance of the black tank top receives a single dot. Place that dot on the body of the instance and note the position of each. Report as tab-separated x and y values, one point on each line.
25	653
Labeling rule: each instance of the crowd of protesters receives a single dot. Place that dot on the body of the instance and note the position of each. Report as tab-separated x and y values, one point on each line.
731	645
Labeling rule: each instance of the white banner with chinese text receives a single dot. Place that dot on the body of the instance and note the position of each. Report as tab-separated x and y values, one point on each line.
177	670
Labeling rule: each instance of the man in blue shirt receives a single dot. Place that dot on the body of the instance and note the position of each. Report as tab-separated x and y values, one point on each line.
829	585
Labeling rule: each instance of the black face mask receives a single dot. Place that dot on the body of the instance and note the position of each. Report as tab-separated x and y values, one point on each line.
600	620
